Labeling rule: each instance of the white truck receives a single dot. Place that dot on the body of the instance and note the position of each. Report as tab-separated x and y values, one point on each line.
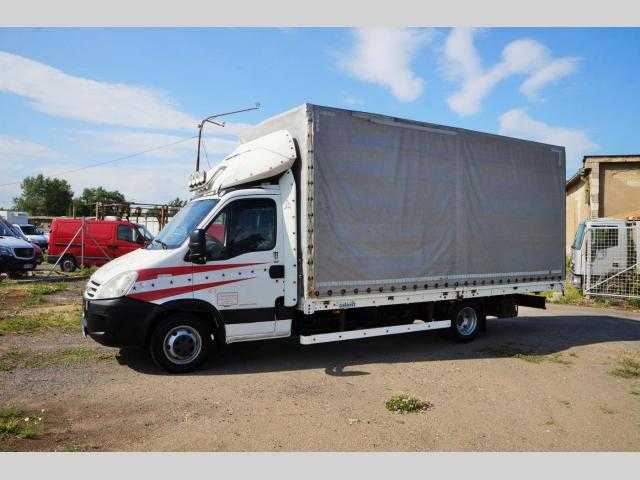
604	257
329	225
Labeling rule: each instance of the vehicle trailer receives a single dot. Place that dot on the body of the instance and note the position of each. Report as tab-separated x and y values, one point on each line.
331	225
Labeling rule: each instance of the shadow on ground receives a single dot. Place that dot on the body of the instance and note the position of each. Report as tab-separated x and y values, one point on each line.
539	335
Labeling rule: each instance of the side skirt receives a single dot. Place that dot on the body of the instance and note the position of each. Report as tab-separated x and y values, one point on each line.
244	332
373	332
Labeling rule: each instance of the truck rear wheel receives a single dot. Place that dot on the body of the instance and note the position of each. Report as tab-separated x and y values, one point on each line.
466	320
180	343
68	263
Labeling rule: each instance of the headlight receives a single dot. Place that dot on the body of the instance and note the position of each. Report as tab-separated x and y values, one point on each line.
117	286
5	251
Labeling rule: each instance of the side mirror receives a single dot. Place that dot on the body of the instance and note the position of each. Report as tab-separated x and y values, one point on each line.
197	246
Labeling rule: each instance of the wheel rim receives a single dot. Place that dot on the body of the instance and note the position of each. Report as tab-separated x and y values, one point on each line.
182	344
466	321
67	265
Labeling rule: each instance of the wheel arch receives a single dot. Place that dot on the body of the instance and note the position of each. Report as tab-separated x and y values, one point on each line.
196	307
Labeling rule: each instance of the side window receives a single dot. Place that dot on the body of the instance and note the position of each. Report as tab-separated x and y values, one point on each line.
603	238
125	233
242	227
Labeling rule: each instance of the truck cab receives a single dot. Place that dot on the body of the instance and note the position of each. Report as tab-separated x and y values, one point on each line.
231	251
601	247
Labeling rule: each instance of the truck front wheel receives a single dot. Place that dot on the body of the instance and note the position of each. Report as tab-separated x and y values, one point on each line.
466	320
180	343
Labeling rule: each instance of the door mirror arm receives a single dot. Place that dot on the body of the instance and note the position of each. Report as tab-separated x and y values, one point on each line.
197	246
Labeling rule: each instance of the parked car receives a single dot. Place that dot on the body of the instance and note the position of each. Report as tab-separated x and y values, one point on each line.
39	251
102	241
33	234
16	254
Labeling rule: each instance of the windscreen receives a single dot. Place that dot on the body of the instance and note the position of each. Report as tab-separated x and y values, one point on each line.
182	224
28	229
577	242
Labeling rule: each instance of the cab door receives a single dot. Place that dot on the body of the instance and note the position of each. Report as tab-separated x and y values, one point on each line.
243	276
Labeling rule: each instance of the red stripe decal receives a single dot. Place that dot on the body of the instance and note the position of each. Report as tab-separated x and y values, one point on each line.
152	273
170	292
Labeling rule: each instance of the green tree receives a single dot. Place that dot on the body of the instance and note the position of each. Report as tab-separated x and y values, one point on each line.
177	202
44	196
86	203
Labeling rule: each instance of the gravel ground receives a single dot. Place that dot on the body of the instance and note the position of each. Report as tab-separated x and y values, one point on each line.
279	395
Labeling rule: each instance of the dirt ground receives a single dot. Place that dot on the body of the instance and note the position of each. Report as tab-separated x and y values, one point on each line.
538	382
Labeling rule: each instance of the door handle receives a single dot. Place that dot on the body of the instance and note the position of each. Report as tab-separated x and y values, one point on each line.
276	271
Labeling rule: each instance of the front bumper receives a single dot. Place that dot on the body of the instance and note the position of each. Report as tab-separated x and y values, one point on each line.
12	264
118	322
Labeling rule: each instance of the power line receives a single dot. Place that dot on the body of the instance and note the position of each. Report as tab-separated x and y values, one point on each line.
66	172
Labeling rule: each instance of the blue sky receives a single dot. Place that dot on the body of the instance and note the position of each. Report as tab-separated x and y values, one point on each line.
73	97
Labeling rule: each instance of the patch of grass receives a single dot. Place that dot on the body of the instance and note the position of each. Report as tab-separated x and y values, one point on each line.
635	390
14	422
557	358
11	359
525	354
530	357
405	403
36	292
64	357
628	367
67	321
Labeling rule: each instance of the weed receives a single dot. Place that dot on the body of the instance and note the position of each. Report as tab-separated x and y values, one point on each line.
405	403
628	367
530	358
525	354
15	422
64	357
557	358
11	359
67	321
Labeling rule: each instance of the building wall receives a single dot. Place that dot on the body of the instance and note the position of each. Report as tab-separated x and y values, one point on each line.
577	210
619	189
610	188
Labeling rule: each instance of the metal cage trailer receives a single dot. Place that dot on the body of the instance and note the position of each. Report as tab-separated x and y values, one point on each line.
331	225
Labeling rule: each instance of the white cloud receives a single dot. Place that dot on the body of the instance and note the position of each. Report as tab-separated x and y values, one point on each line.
550	73
14	149
56	93
517	123
383	56
461	62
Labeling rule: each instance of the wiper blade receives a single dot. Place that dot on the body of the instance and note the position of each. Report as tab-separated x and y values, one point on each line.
164	245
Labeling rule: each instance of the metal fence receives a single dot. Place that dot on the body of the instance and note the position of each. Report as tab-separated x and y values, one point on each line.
611	261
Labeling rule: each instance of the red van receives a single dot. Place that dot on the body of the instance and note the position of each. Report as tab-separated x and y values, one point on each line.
104	240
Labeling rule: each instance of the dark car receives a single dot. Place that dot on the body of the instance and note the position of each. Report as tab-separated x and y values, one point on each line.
16	255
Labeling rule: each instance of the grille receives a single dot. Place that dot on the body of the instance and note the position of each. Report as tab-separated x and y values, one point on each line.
23	252
92	287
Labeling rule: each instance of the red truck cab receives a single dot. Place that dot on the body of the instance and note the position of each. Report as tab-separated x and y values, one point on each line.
103	240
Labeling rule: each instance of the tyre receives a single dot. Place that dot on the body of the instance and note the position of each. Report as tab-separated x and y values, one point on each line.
68	264
466	320
181	343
